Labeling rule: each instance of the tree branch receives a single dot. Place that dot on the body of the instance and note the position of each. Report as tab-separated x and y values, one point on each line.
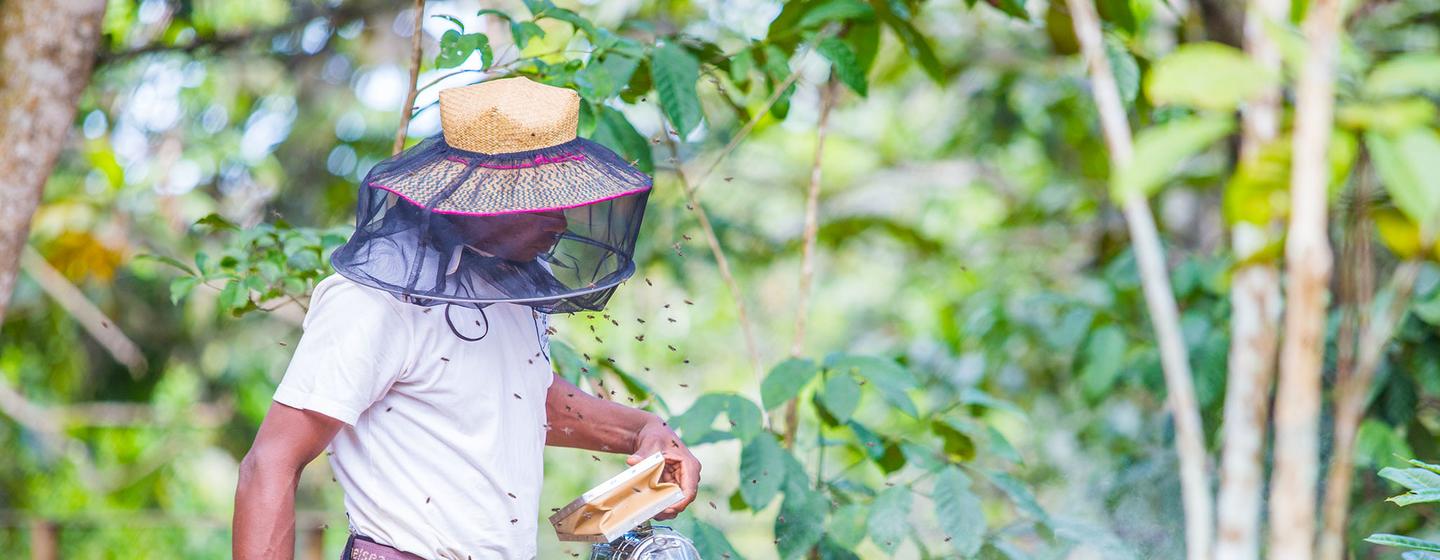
90	318
1307	263
1159	297
807	250
1255	305
340	15
406	111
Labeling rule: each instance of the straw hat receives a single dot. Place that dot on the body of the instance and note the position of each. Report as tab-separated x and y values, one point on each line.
508	115
507	146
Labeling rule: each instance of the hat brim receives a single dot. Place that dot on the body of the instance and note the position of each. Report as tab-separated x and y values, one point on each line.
447	180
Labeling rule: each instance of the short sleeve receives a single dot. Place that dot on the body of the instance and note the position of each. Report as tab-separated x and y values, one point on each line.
353	349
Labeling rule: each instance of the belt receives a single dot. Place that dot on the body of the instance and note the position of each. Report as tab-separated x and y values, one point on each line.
362	548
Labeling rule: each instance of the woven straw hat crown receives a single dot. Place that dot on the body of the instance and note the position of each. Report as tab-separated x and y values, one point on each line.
508	115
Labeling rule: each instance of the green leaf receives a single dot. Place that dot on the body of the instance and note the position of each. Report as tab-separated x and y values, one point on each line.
566	361
599	81
1206	76
830	550
537	7
915	42
801	522
1427	466
786	380
762	471
181	287
173	262
216	222
1405	163
840	396
1160	149
1412	478
847	525
497	13
973	396
615	131
452	19
889	378
842	59
697	420
639	388
740	67
1377	442
575	20
1104	360
1001	447
1018	494
1405	74
836	11
1391	116
888	522
524	31
1386	539
234	295
1425	496
456	48
675	72
864	41
958	446
709	541
1118	12
959	511
745	418
1012	8
1123	66
873	446
776	65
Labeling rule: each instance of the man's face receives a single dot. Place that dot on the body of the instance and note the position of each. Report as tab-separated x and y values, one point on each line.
515	237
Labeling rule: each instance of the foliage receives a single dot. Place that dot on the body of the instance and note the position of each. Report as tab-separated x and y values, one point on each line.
979	369
1423	482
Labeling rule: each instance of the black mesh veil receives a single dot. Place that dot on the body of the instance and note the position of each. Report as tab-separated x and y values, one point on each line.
554	228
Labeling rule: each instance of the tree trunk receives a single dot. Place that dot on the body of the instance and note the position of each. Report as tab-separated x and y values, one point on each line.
1308	263
1159	296
1254	323
45	60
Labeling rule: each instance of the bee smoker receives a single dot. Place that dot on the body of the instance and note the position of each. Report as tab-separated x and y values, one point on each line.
647	542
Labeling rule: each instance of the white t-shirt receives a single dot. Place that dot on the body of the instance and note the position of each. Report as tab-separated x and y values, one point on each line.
442	452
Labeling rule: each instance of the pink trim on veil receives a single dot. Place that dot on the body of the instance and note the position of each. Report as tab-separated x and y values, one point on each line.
461	213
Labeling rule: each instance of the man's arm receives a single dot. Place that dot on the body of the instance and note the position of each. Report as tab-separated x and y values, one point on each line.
289	438
580	420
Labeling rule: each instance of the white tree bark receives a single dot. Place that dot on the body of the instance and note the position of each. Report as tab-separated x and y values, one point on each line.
1159	296
46	50
1254	322
1308	264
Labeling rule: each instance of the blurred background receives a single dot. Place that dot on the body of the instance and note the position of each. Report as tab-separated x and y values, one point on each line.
970	265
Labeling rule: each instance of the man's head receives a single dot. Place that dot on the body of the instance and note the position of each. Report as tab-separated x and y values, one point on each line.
519	237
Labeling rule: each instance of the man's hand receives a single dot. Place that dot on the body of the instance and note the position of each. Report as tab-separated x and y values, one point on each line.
579	420
681	467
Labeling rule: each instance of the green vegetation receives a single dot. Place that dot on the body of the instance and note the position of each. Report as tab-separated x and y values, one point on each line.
971	369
